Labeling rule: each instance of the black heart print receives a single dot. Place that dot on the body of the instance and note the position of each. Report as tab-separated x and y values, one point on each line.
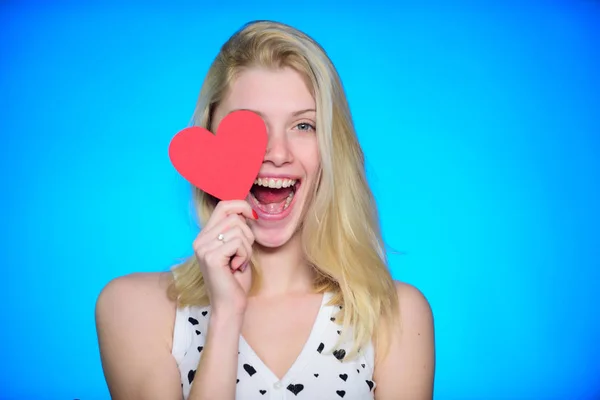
321	347
204	313
191	375
339	354
193	321
200	349
297	388
341	393
262	392
343	377
370	383
249	369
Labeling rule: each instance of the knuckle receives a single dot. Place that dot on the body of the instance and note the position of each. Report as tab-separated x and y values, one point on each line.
201	252
197	239
198	250
239	243
210	259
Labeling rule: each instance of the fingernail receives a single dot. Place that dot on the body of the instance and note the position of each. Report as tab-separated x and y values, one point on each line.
244	266
254	214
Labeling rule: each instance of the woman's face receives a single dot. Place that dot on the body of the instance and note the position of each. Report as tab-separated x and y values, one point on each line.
290	167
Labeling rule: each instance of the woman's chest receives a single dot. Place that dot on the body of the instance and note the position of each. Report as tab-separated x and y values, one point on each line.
287	355
277	335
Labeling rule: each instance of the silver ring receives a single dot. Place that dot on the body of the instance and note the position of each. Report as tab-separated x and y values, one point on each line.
221	237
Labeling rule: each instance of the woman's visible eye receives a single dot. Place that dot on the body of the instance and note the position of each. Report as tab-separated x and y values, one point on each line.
305	126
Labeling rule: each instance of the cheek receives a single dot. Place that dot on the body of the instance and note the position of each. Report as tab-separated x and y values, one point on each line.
308	152
316	157
311	163
315	162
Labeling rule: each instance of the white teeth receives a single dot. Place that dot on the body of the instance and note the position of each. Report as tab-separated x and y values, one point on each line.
275	183
288	200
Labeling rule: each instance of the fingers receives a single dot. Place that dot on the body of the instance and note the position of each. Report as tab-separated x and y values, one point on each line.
213	243
238	232
226	239
237	222
234	223
227	244
234	250
226	208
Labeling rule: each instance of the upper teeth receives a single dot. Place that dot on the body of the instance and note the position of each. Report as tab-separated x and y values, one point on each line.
275	183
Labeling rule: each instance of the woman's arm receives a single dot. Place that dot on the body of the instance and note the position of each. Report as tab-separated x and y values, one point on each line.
407	371
217	371
135	320
134	323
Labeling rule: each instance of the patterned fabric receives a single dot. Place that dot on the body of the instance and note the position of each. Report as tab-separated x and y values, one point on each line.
318	373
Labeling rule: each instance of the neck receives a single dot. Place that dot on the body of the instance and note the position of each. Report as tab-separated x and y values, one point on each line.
284	270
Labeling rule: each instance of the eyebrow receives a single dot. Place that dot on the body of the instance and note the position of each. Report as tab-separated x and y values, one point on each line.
295	113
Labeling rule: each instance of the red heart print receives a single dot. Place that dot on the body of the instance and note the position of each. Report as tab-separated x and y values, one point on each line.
226	164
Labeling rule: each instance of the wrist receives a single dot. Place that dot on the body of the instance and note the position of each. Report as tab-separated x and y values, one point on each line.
230	311
226	320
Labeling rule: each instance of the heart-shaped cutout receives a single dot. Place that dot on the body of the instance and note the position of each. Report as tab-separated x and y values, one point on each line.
226	164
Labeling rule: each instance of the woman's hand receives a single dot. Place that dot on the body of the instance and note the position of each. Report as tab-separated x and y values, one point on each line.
223	249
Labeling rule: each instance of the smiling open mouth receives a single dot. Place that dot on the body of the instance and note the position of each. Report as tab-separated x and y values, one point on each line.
272	195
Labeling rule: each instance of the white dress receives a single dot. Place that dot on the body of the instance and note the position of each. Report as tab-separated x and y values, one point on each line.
315	375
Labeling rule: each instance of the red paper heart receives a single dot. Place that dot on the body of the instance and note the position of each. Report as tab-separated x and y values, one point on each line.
224	164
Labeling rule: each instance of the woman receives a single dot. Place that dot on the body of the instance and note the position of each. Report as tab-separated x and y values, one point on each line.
288	295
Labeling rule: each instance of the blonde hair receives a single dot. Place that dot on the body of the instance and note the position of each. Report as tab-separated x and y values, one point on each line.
340	233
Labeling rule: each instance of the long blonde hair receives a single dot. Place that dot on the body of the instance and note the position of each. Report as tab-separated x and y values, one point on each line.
340	233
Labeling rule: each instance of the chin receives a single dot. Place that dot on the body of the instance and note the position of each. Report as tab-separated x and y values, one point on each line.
272	240
278	221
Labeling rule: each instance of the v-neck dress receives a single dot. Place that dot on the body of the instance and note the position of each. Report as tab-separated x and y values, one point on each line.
319	372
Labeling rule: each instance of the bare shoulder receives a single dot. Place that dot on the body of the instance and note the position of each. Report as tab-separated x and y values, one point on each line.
134	323
133	288
414	306
139	296
407	370
139	302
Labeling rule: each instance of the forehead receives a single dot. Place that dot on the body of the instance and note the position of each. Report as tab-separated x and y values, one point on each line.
270	91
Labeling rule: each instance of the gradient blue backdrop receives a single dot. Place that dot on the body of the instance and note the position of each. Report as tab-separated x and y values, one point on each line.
481	126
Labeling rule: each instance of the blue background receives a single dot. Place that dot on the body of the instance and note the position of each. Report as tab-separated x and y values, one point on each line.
481	127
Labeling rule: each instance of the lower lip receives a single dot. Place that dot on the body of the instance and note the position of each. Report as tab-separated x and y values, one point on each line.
273	217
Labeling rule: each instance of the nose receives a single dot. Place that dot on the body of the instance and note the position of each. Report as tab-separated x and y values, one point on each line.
278	149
